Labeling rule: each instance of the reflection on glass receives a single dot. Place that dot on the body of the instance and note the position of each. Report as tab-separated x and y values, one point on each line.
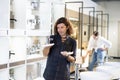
11	74
12	18
33	45
35	4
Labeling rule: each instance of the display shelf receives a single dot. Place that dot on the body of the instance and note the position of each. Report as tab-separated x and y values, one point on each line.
16	32
17	63
3	66
37	33
34	56
32	60
34	52
24	29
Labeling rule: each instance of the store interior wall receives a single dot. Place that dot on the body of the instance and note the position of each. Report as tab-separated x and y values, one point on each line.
114	17
112	7
118	38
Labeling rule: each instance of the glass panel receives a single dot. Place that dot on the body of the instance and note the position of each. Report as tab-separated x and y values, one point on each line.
17	48
34	46
105	26
73	14
17	73
33	14
33	71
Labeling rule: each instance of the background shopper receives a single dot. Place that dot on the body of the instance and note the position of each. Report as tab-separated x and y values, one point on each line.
99	45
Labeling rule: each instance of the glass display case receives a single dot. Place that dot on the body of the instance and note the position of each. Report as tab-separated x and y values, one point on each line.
24	28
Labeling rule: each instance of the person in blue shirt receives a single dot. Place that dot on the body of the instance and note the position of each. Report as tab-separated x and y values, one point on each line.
61	53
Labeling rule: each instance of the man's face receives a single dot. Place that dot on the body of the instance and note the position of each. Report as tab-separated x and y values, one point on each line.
95	37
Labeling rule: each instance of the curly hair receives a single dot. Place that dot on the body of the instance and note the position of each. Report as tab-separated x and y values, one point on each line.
66	22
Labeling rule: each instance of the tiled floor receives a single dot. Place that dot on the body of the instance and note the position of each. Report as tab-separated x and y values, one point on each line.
111	60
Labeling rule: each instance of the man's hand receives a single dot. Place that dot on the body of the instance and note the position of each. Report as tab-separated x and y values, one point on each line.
104	49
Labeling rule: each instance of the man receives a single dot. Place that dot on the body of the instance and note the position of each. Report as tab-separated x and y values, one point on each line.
99	45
